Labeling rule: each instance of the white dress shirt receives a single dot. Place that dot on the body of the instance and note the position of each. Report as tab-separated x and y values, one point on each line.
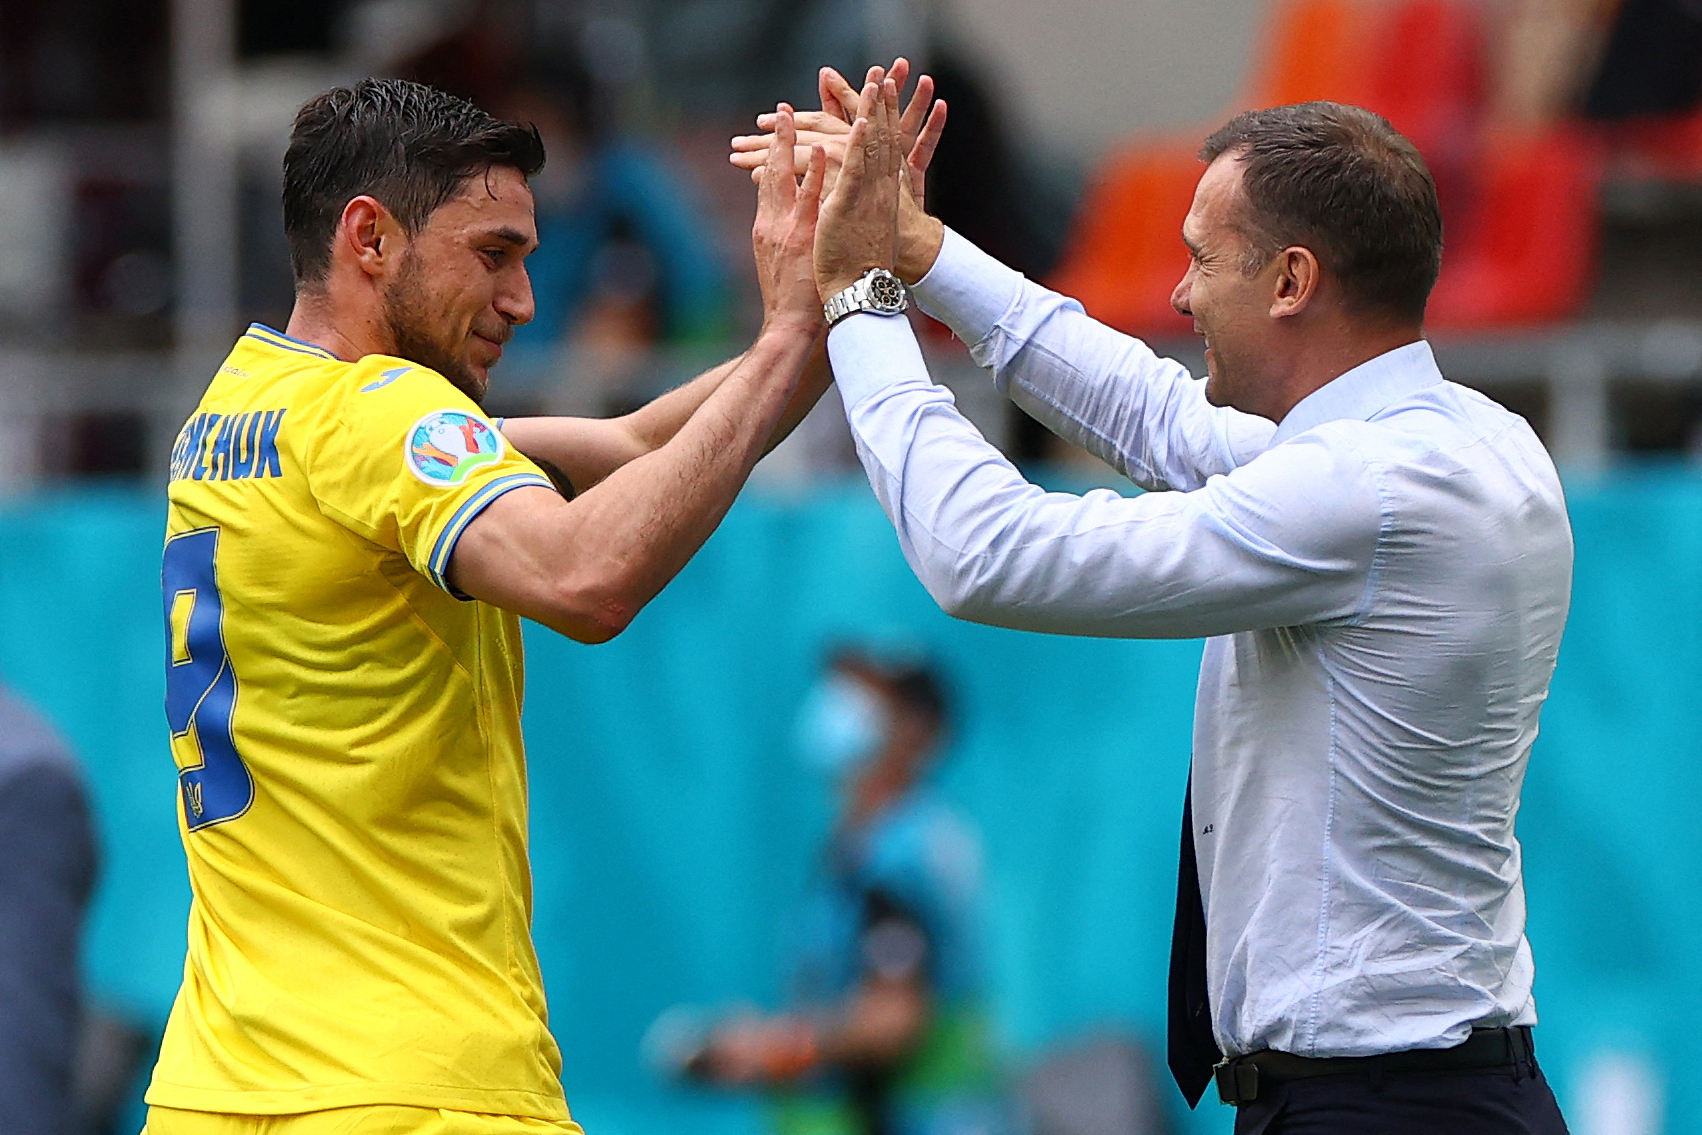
1383	579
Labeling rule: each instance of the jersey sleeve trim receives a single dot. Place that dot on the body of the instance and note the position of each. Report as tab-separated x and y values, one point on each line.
441	552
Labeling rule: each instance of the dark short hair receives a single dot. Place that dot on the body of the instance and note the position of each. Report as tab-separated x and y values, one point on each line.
920	689
1342	182
912	684
410	146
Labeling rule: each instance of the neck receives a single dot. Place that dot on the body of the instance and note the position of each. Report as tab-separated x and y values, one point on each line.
1318	360
348	330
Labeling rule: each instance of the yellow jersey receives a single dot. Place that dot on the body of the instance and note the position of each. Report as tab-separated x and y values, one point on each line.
346	729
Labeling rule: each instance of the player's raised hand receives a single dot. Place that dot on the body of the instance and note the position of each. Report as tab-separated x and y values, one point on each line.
920	126
783	236
859	218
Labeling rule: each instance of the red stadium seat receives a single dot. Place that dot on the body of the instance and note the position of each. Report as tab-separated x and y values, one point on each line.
1665	147
1523	252
1428	82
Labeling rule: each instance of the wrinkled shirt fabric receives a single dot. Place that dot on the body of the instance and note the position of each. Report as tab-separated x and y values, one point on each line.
1382	580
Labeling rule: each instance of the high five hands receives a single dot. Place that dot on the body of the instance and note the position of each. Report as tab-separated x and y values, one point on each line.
914	134
784	235
859	220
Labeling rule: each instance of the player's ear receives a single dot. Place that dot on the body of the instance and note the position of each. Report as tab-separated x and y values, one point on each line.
370	234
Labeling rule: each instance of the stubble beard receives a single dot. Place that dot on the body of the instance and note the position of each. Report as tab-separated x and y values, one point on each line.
407	316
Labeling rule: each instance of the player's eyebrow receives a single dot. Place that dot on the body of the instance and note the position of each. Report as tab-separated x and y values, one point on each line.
511	235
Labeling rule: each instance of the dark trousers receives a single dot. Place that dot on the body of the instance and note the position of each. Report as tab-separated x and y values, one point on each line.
1408	1103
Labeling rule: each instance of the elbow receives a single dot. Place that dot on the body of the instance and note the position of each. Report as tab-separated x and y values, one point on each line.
954	603
593	612
590	631
960	595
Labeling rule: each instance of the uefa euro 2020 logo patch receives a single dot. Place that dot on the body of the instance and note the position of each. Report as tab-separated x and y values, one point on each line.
445	447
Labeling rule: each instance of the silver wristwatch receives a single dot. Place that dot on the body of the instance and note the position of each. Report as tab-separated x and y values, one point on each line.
878	291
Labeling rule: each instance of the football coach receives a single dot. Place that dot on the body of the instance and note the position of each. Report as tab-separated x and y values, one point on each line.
1379	559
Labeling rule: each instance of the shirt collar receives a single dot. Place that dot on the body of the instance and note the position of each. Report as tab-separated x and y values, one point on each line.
1361	393
273	338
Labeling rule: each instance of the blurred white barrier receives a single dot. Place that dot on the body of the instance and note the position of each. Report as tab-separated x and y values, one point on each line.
1619	1093
1574	369
205	121
1575	366
35	189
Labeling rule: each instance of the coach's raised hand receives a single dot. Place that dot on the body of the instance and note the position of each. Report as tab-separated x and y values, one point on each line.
920	125
919	130
858	229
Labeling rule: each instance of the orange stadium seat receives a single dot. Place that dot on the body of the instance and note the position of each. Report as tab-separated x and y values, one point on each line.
1126	255
1519	208
1315	49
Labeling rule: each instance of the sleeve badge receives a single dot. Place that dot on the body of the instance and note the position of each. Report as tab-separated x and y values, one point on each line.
445	447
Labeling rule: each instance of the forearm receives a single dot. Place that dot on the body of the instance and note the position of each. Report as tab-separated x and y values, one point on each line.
655	424
992	548
878	1025
1095	387
652	514
585	567
586	450
817	377
881	1023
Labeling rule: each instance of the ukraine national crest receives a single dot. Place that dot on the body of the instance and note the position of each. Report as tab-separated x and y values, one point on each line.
445	447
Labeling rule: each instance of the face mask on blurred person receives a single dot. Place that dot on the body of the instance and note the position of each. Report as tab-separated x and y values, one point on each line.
841	726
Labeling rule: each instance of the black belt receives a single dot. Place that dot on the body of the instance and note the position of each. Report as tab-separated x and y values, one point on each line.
1239	1077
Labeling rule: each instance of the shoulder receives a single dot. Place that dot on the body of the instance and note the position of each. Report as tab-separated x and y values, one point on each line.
1450	430
1321	488
380	397
1450	460
377	380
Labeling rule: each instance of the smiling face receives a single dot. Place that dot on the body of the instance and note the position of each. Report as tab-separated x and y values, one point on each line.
1230	306
460	288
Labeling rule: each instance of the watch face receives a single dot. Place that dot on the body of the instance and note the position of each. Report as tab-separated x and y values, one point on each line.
885	292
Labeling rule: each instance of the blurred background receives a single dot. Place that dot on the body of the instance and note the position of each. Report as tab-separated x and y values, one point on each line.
675	829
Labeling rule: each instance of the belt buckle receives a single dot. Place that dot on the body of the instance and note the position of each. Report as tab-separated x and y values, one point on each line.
1237	1081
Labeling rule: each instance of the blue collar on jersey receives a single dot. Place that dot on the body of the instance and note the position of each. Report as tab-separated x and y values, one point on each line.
278	339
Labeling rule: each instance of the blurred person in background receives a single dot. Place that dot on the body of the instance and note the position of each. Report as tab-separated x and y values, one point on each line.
1611	59
1380	559
351	543
625	260
888	1034
47	873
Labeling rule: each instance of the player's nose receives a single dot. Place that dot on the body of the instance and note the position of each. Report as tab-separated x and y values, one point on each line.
514	301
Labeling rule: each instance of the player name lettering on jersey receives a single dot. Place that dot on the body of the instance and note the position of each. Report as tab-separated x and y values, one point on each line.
228	447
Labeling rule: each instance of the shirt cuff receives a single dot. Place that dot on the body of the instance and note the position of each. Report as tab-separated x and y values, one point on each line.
966	289
869	352
444	549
